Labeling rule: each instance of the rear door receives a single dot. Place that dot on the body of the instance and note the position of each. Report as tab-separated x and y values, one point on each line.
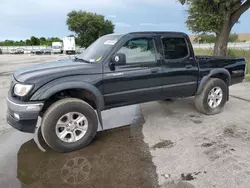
180	69
139	80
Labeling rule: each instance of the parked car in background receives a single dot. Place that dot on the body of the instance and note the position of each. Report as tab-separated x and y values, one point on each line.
47	51
17	51
1	52
37	52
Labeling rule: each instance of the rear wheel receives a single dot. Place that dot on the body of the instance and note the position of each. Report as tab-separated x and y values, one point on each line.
213	97
69	124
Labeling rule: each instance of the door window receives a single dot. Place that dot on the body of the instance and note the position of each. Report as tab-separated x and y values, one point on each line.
175	48
139	50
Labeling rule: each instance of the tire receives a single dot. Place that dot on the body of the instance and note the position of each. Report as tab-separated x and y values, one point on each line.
201	100
58	110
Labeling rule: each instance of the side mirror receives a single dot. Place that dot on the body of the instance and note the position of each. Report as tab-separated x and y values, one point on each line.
119	59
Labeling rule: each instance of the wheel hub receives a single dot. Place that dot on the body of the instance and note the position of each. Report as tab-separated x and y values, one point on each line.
71	127
215	97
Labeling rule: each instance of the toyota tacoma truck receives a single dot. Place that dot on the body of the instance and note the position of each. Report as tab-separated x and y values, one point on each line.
116	70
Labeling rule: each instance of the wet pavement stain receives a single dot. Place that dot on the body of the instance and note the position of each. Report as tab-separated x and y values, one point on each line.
206	145
117	158
163	144
194	116
187	177
196	121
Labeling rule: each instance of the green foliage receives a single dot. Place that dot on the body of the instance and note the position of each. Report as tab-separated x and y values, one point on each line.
33	41
248	78
204	16
12	43
88	26
205	38
234	38
210	38
209	15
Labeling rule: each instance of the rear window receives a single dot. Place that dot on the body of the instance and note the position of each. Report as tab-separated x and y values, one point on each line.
174	48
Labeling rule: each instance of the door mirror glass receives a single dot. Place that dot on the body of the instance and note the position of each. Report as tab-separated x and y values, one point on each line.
119	59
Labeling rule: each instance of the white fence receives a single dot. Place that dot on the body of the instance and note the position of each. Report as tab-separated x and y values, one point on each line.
239	45
28	49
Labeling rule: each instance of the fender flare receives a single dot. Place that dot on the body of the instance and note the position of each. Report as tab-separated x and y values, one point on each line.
211	74
53	87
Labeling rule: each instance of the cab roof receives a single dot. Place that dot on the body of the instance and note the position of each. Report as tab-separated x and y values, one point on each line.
157	32
171	33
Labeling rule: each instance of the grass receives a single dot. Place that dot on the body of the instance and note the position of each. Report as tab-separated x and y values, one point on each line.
232	53
248	78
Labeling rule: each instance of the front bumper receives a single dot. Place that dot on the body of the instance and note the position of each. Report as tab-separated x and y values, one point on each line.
23	115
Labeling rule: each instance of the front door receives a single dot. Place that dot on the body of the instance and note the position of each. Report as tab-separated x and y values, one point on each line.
139	80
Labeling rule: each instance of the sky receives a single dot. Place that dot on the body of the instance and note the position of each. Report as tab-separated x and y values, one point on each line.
20	19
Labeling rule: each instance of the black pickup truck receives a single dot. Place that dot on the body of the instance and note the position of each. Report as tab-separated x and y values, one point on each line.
116	70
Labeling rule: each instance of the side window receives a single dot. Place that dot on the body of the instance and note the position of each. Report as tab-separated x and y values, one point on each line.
139	50
174	48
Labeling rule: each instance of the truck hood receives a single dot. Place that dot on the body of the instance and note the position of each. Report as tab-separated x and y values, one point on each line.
53	70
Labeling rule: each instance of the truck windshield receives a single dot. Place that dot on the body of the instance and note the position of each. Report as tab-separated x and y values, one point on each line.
98	50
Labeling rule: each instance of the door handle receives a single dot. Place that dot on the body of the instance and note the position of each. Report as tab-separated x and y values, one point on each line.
154	70
189	66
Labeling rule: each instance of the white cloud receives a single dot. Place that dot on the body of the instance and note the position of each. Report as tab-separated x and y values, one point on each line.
122	24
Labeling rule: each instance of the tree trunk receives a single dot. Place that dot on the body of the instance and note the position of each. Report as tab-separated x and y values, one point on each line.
220	47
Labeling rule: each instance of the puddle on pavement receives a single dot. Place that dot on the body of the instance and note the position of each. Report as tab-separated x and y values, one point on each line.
116	158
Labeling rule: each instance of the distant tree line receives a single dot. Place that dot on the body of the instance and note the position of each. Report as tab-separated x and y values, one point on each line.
33	41
206	38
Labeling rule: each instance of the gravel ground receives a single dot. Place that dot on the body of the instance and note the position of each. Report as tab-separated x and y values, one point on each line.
194	150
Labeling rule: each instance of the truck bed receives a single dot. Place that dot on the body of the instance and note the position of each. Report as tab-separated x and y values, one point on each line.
235	66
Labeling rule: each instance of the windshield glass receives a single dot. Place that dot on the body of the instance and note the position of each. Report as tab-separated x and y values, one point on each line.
99	49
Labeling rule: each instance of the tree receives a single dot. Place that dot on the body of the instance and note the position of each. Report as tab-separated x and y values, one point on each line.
42	41
88	26
28	42
34	40
215	16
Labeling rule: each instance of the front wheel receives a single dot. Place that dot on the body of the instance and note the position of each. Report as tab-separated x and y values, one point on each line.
213	97
69	124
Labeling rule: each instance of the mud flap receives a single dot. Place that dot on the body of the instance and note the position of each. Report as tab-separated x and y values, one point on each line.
100	117
38	136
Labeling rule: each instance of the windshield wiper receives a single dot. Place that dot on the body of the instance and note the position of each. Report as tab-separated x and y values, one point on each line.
83	60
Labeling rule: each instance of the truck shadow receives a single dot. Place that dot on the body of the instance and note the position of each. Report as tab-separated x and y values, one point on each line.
117	158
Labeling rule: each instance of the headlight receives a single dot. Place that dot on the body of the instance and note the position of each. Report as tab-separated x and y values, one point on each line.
22	90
